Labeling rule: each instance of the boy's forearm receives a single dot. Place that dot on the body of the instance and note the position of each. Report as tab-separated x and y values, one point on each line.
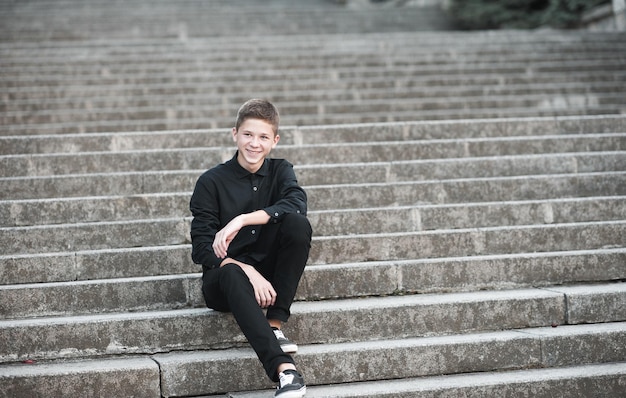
229	260
226	235
259	217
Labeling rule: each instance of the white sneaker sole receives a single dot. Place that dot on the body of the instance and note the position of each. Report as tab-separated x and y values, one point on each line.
292	394
289	348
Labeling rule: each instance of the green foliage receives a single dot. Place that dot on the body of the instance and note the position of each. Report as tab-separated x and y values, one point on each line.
519	14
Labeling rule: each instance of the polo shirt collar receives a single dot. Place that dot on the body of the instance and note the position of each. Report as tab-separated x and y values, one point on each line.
240	172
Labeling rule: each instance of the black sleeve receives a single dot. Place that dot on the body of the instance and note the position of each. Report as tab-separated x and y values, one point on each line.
204	207
291	198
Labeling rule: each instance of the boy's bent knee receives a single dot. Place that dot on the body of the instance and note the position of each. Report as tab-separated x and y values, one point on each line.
297	225
231	272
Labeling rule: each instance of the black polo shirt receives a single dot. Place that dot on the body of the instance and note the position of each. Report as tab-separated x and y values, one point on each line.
228	190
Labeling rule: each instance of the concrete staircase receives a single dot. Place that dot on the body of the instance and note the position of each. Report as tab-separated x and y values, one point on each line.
464	256
77	20
169	84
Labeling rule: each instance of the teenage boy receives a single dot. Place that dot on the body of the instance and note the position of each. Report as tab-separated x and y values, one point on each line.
251	235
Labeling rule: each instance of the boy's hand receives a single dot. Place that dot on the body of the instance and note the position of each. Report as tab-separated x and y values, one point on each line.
226	235
263	290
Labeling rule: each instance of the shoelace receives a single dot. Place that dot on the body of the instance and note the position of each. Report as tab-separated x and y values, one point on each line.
279	334
286	378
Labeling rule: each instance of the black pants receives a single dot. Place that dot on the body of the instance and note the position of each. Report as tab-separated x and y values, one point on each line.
227	289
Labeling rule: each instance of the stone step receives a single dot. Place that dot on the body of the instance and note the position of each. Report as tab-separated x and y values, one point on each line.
147	182
335	100
438	46
104	59
558	108
350	60
470	46
114	234
454	43
57	110
326	322
218	372
89	22
467	242
172	231
499	245
299	69
311	87
125	376
597	380
414	48
529	187
433	217
329	109
178	291
95	264
478	41
195	158
471	273
309	135
320	70
605	379
154	293
354	103
151	293
419	275
326	197
143	58
378	246
298	51
303	94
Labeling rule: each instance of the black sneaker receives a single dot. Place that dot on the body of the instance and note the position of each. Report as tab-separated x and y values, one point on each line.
287	345
290	385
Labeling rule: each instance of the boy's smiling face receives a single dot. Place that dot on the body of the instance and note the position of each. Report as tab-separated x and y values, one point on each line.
255	139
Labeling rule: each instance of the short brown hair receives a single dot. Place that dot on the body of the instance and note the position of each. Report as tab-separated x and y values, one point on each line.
258	109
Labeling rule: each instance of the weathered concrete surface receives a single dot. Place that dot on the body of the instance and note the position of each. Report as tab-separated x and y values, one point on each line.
488	250
375	360
604	380
136	377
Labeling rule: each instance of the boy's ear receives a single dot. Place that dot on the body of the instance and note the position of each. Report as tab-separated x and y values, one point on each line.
276	139
234	132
